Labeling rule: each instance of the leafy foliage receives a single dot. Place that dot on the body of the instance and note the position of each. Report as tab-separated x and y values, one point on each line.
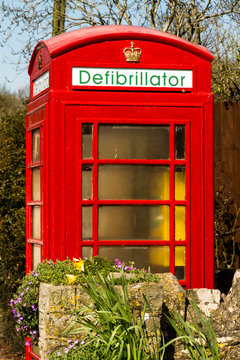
227	225
196	334
225	66
11	103
12	190
79	352
111	325
24	303
214	24
110	330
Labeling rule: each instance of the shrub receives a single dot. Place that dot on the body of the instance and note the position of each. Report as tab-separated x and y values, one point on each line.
79	352
196	334
24	303
112	328
113	331
12	197
227	225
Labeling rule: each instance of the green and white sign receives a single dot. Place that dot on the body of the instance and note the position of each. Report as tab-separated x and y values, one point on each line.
150	78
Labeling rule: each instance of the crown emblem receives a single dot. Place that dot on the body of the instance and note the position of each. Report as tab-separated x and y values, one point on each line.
132	54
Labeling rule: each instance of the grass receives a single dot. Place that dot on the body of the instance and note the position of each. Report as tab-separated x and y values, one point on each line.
109	328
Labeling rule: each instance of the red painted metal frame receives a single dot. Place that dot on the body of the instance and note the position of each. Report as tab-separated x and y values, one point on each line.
208	195
34	121
73	115
63	251
56	111
53	110
71	40
30	355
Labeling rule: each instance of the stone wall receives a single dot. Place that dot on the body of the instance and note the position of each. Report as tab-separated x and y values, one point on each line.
56	302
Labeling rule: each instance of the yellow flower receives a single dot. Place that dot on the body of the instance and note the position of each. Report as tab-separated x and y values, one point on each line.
79	264
71	278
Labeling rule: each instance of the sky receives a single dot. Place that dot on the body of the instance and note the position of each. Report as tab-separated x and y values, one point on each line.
9	77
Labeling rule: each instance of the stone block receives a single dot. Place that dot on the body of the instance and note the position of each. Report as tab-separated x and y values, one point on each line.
207	300
173	293
56	304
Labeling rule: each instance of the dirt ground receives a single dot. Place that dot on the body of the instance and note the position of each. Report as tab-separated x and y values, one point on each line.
6	353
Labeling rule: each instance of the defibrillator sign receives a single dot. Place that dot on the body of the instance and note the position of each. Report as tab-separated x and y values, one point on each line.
151	78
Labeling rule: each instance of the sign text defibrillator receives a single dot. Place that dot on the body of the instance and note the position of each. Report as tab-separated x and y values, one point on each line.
151	78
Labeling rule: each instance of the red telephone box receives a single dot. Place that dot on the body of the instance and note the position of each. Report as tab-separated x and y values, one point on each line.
120	151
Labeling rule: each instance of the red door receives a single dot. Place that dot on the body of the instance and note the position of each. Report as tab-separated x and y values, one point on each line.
134	180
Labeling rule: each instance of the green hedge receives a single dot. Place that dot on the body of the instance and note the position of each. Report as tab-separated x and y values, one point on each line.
12	195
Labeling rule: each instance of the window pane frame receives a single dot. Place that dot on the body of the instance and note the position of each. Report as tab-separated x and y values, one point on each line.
172	162
33	202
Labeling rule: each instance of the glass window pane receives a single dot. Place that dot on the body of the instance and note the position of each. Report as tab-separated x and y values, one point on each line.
180	142
86	141
157	257
180	182
133	222
36	184
87	223
180	233
133	142
180	262
86	182
87	252
133	182
36	222
35	145
36	255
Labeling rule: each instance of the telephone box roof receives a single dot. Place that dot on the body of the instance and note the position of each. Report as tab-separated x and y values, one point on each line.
71	40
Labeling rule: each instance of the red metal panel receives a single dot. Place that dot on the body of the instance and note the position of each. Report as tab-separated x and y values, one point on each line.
188	205
77	114
163	55
46	195
68	106
34	121
28	189
172	198
71	40
30	355
95	188
43	183
72	244
208	196
73	192
79	48
197	211
36	117
55	173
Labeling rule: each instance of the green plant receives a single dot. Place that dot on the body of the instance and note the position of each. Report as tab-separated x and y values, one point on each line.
79	352
24	304
111	328
12	193
226	227
196	334
111	324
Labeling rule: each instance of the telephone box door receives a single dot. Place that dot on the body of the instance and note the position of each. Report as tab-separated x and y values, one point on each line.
134	186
